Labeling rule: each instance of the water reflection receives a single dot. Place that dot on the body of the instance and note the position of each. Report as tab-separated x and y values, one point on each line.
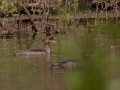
22	73
27	72
93	52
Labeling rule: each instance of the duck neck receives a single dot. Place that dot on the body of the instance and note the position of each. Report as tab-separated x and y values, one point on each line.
47	49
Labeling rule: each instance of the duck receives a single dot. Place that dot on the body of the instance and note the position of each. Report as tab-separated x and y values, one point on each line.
69	64
63	64
45	51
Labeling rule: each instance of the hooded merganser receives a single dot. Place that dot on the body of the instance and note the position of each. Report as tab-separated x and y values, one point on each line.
46	41
64	64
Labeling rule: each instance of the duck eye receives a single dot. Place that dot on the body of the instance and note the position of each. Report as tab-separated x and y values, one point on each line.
51	38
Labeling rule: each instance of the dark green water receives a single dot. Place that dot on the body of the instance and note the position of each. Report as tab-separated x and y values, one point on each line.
101	69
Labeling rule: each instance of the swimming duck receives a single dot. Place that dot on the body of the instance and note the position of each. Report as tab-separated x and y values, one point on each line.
46	50
63	64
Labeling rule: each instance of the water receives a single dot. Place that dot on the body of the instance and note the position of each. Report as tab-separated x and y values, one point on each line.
34	73
97	51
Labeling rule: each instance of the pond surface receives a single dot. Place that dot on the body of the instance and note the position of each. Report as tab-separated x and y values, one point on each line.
34	73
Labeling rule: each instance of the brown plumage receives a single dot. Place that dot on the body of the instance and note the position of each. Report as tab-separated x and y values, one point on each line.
46	50
64	64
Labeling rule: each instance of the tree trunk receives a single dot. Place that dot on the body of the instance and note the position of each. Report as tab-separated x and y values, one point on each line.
29	15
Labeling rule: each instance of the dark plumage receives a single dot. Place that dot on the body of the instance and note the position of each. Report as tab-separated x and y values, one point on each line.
66	64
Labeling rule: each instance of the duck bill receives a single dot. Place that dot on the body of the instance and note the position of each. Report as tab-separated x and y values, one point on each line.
52	41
